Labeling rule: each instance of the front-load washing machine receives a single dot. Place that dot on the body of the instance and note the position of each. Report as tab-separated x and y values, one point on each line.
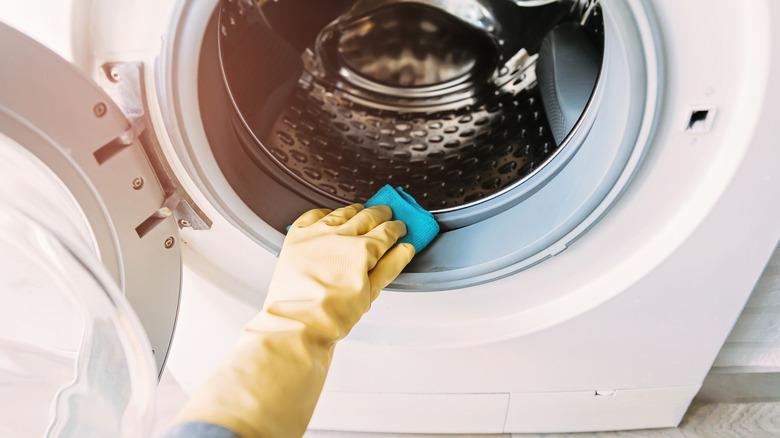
603	171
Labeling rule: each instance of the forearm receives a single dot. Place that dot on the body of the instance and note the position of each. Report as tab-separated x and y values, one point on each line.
275	374
200	430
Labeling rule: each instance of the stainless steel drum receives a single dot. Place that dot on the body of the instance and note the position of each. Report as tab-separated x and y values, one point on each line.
440	97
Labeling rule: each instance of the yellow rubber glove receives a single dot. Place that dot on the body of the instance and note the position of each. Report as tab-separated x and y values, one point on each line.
332	266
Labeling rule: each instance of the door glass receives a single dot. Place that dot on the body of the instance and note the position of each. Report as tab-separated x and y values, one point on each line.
74	360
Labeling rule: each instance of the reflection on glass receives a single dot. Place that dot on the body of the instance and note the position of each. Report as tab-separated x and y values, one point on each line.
74	360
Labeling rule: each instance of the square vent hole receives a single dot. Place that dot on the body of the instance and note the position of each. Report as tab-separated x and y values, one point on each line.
700	119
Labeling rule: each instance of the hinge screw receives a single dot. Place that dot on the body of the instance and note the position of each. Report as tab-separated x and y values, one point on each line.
100	109
169	242
114	74
138	182
184	223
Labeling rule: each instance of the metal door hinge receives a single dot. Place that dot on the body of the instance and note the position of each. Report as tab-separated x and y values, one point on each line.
123	82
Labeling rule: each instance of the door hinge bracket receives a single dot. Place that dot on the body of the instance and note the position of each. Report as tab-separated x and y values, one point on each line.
124	83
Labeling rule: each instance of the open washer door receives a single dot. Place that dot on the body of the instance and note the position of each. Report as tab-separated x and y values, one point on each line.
76	130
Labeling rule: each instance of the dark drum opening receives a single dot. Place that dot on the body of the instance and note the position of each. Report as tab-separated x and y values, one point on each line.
456	101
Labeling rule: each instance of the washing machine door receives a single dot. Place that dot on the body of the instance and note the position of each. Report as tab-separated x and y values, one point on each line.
76	130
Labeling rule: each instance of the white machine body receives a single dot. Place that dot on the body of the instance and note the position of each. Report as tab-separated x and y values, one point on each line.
616	331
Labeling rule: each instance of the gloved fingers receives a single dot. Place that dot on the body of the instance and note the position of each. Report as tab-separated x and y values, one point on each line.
366	220
379	240
387	233
389	267
341	215
310	217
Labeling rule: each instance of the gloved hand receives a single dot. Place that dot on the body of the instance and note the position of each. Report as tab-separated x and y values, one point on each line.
332	266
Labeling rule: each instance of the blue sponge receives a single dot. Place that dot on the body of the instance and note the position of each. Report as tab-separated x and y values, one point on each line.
421	227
